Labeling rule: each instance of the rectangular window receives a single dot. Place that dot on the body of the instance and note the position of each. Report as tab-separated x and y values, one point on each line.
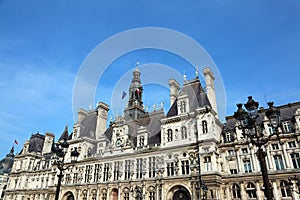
275	146
244	150
296	160
127	169
106	172
116	170
139	168
233	171
88	173
278	162
292	144
75	178
97	173
141	141
152	167
185	167
207	164
247	166
286	127
230	152
171	169
151	195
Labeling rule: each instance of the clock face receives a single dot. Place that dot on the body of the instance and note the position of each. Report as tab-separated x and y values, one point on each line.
119	142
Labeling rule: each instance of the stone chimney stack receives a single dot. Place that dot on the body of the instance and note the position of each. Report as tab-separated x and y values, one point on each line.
102	116
49	139
174	90
210	88
81	114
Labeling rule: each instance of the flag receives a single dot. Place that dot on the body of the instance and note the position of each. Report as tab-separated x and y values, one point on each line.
124	95
16	142
138	91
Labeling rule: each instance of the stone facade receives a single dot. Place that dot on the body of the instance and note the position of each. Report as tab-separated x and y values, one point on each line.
153	155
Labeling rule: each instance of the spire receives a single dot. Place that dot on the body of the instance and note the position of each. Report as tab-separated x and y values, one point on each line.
197	72
64	135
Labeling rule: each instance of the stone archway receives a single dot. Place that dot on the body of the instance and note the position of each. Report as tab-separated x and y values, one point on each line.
68	196
179	192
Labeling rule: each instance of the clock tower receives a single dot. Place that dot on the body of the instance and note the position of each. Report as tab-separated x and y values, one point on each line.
135	107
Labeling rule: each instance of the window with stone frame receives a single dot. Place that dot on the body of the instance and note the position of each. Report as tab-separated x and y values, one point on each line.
185	167
75	178
151	191
278	162
170	169
126	193
88	173
183	132
182	107
84	195
285	189
104	194
207	164
169	135
251	191
141	141
94	194
204	126
286	126
139	168
106	172
236	191
247	166
97	174
127	169
152	170
295	160
116	170
292	144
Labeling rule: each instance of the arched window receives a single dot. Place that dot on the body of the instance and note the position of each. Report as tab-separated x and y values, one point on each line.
94	194
251	191
183	132
236	191
84	195
285	190
104	194
170	135
204	126
151	191
126	193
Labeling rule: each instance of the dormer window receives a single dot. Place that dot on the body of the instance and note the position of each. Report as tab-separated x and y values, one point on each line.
204	126
141	141
286	127
182	107
169	135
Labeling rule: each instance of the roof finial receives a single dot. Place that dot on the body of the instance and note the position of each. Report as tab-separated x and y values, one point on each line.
184	76
197	72
90	106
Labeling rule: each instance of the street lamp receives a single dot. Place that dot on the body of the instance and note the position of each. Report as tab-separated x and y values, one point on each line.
254	131
60	149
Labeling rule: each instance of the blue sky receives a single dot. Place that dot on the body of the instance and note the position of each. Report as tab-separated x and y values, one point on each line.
255	45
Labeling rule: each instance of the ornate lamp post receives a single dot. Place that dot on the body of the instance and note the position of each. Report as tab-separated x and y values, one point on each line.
254	131
60	149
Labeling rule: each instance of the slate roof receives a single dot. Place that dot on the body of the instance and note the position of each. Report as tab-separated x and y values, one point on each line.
196	94
287	113
88	125
7	163
36	143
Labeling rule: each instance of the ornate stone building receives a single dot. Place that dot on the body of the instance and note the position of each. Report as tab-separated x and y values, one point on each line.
5	169
186	153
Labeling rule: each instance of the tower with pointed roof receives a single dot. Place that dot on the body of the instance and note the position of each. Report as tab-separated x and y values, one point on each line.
135	106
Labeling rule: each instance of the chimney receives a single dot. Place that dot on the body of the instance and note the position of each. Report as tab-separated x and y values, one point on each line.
102	114
210	88
174	90
81	114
